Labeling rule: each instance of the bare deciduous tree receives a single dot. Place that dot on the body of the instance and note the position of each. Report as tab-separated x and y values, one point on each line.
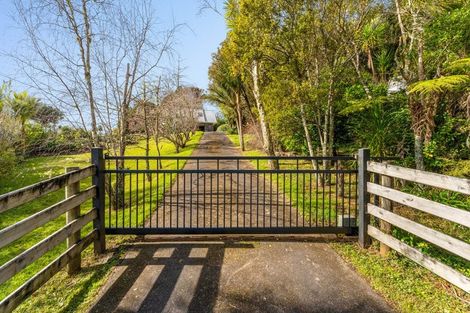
88	58
58	62
178	115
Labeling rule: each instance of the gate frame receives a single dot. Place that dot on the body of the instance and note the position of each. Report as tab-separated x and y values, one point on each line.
99	158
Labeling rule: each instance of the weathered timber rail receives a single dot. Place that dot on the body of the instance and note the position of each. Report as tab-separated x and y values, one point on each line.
75	222
388	218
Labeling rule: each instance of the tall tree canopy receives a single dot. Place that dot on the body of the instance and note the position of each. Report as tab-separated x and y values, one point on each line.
320	76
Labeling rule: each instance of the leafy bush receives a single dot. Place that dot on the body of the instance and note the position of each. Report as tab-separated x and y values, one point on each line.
225	128
458	168
379	123
7	161
296	143
9	136
44	141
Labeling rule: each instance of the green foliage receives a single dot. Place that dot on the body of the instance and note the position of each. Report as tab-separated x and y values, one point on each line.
462	65
430	156
29	128
47	116
8	161
65	140
225	128
460	168
440	85
23	105
377	122
295	143
448	142
334	63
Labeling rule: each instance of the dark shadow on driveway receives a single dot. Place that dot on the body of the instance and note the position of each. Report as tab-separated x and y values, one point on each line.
219	277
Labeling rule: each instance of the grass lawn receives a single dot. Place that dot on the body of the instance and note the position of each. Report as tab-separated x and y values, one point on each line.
64	293
405	284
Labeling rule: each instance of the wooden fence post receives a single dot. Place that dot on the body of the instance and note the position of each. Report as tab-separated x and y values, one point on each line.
363	197
387	204
74	265
98	201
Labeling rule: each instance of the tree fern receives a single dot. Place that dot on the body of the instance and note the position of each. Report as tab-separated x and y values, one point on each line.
440	85
362	104
445	83
462	65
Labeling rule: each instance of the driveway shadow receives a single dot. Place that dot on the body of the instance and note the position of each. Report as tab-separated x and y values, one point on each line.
148	278
259	277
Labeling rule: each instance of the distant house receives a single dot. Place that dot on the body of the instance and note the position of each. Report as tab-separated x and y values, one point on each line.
206	120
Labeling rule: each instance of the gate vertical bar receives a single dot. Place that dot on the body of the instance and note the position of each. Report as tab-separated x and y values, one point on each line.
98	201
363	199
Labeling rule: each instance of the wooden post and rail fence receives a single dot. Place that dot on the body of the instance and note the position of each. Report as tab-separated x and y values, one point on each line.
70	233
367	169
384	196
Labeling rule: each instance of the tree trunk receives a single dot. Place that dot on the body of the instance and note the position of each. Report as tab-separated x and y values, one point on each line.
419	158
419	141
370	61
267	141
157	142
356	63
147	138
85	56
308	138
239	122
124	123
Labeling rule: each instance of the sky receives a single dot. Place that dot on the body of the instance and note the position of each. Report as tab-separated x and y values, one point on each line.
196	40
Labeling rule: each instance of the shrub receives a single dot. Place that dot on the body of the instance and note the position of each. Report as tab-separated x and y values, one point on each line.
9	137
225	128
8	161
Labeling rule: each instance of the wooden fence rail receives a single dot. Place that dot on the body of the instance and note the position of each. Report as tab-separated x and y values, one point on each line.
451	183
386	215
70	232
18	197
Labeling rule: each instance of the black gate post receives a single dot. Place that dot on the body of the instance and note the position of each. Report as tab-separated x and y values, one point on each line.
98	201
363	197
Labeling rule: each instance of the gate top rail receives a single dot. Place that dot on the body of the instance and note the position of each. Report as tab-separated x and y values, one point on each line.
319	158
229	171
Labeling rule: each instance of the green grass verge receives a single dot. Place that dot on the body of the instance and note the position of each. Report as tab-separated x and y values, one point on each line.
63	293
406	285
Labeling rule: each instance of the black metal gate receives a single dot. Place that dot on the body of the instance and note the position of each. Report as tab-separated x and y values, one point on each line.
230	195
